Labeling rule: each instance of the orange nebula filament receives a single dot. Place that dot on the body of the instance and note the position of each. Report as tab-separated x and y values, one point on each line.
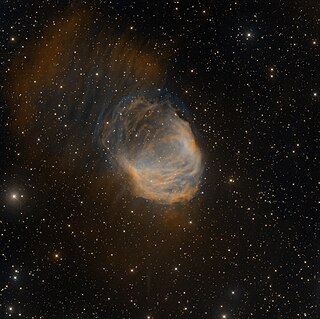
156	149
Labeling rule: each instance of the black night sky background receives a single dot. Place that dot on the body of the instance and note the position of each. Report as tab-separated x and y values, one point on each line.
76	240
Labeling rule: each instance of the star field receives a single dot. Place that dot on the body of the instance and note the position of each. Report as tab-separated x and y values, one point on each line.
76	241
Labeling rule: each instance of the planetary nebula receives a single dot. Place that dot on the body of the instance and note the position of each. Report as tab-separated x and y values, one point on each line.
154	147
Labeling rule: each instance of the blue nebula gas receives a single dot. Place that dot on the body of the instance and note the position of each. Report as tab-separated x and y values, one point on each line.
154	147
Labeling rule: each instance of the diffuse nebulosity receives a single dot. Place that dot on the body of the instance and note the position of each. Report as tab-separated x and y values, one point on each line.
106	94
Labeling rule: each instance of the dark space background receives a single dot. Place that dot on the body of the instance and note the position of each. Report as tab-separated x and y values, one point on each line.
77	245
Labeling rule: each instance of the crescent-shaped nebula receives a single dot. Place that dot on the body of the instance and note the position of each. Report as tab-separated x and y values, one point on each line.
154	147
